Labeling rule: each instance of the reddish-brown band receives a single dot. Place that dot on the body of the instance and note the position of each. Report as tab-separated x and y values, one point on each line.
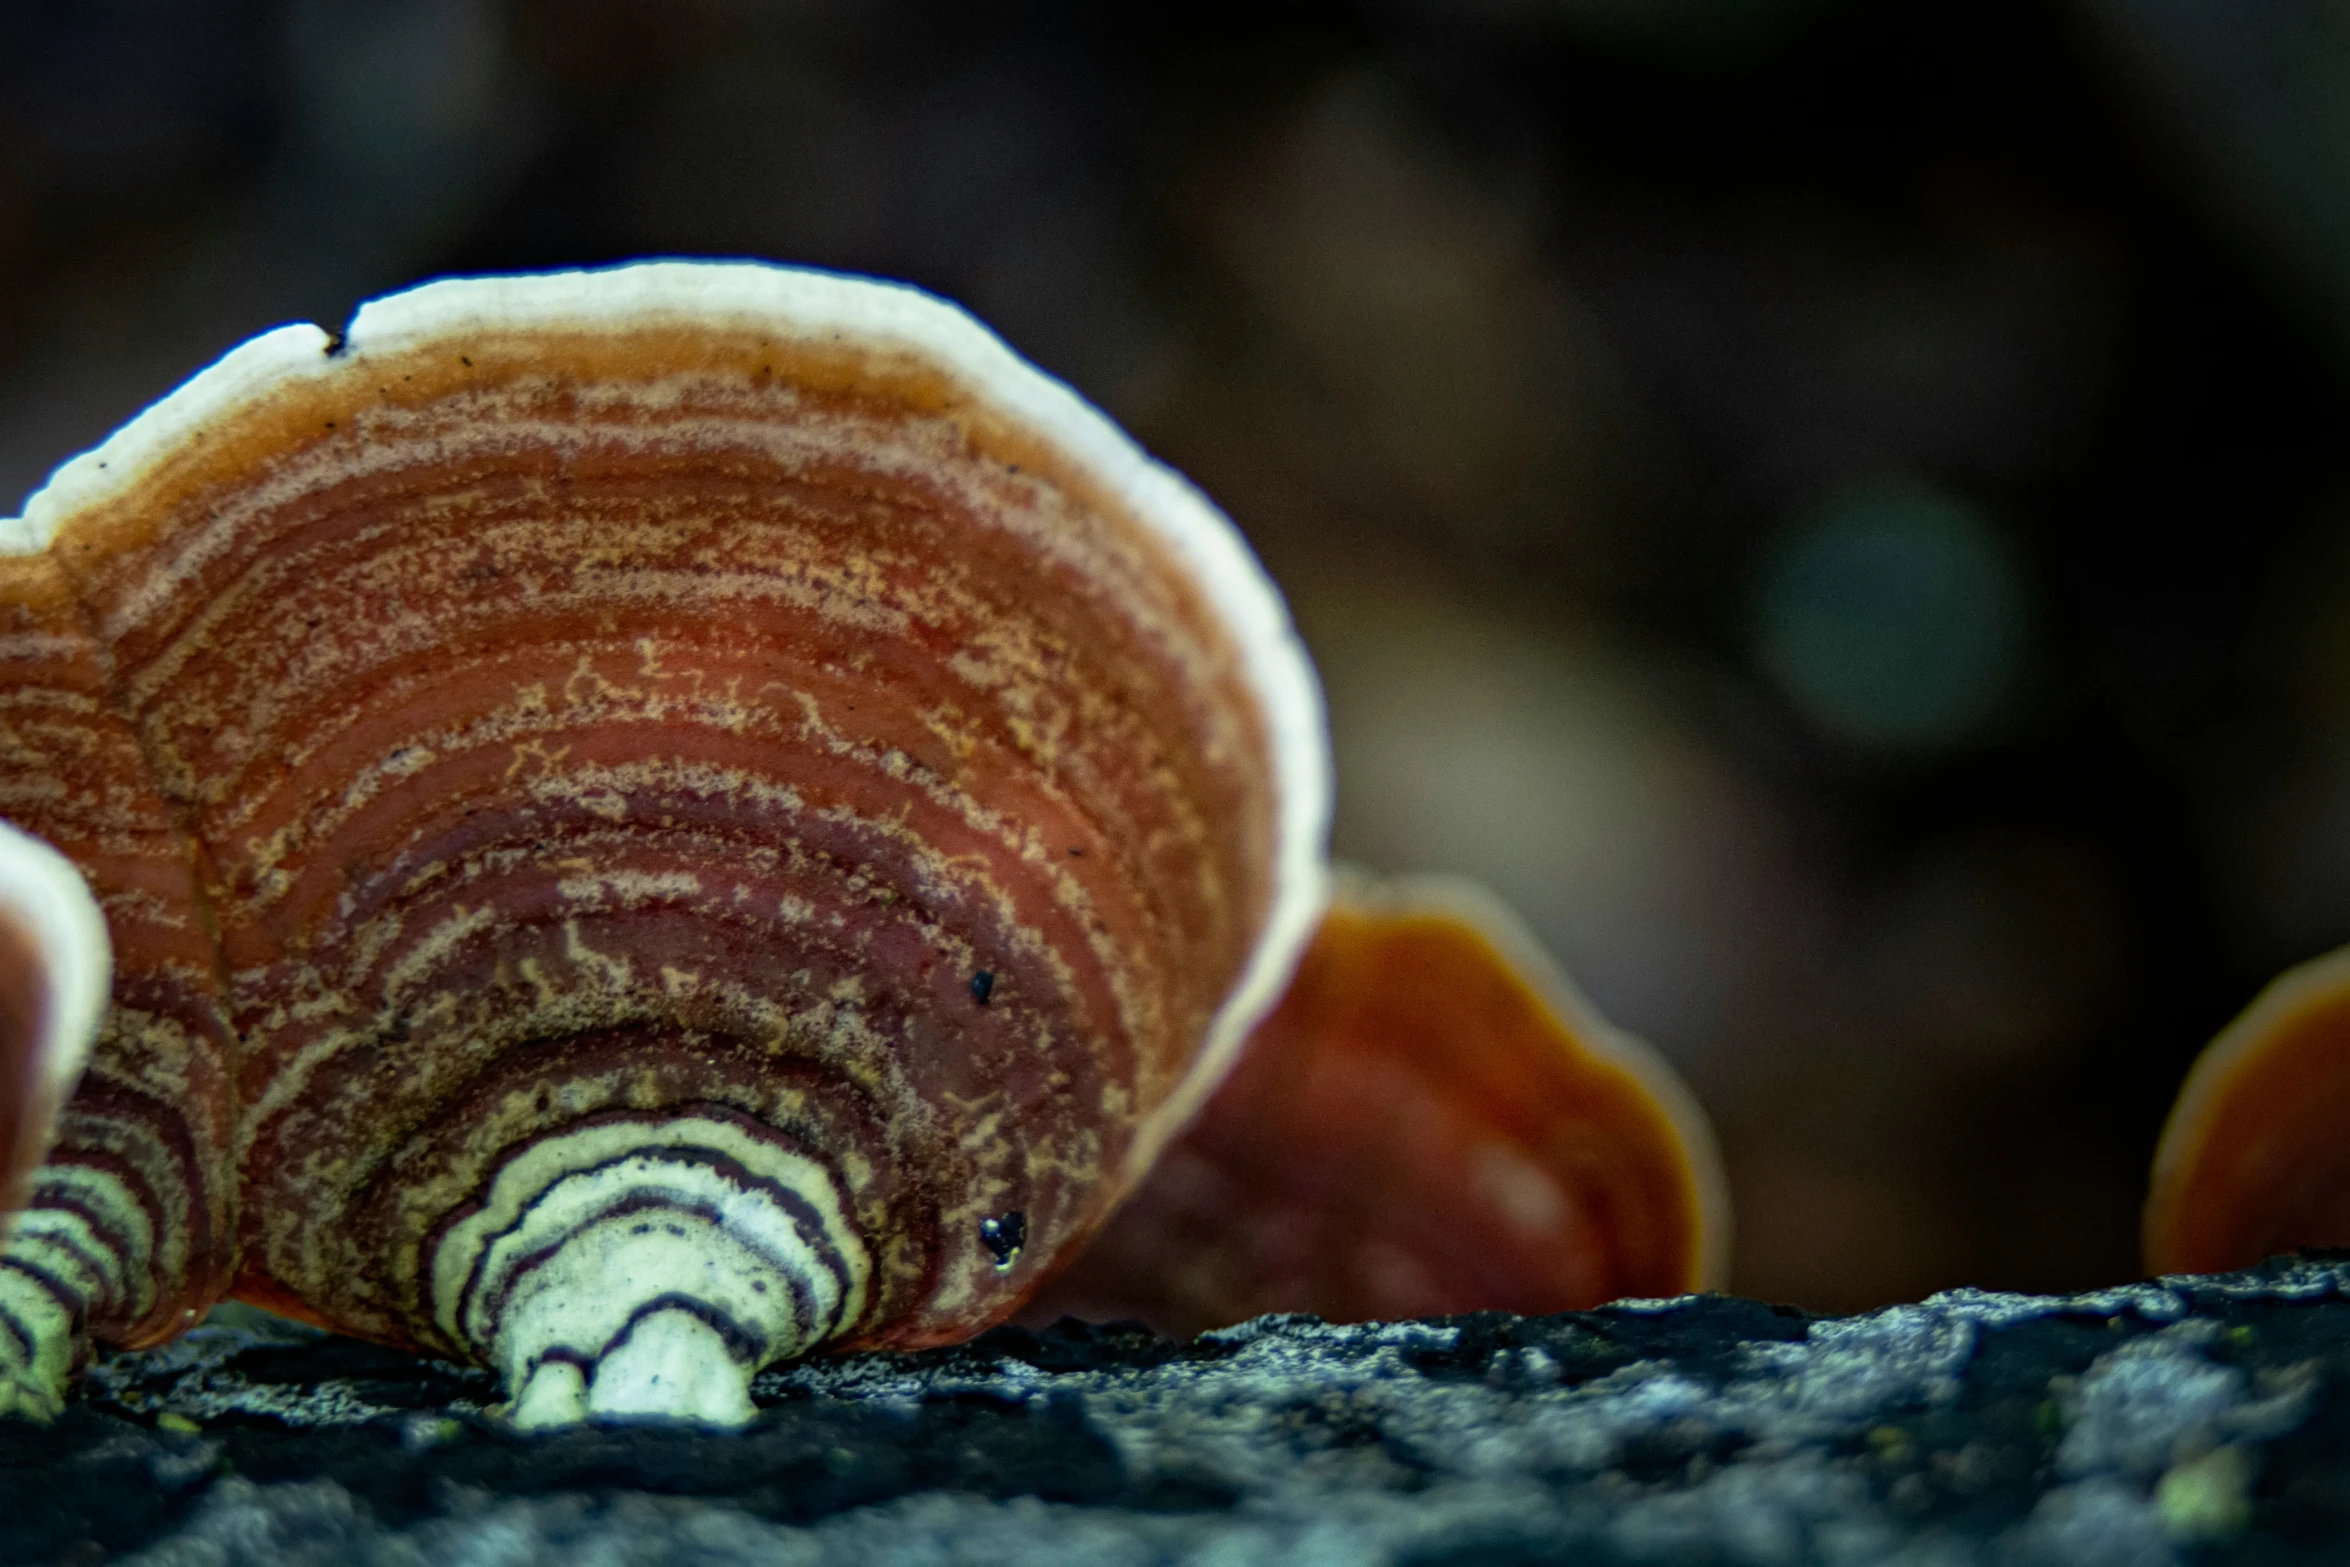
673	723
1415	1130
2256	1160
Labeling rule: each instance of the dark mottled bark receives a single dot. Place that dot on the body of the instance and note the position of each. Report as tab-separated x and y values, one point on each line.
2203	1420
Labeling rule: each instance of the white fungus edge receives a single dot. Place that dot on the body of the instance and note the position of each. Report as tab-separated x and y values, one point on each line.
45	897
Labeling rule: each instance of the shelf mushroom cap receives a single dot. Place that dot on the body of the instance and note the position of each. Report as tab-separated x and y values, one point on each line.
269	391
721	794
2252	1160
1434	1120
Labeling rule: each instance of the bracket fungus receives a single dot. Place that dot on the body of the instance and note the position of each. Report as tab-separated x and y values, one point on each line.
2252	1161
1433	1120
650	821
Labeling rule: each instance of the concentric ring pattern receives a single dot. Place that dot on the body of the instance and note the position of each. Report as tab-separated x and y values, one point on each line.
684	746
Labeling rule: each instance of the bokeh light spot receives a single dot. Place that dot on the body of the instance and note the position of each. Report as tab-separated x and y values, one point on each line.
1894	617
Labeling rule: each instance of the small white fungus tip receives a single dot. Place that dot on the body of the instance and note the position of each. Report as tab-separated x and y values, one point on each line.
46	900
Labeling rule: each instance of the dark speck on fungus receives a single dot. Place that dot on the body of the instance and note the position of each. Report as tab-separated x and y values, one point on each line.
1003	1236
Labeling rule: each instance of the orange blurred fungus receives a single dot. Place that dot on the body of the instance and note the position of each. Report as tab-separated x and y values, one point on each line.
2253	1160
1431	1121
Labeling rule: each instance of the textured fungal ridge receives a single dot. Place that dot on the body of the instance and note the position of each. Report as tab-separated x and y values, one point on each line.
638	811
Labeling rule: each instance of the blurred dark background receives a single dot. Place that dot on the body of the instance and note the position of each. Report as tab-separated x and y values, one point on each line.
1837	510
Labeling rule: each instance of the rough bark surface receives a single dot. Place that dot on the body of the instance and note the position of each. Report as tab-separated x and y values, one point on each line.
2195	1419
